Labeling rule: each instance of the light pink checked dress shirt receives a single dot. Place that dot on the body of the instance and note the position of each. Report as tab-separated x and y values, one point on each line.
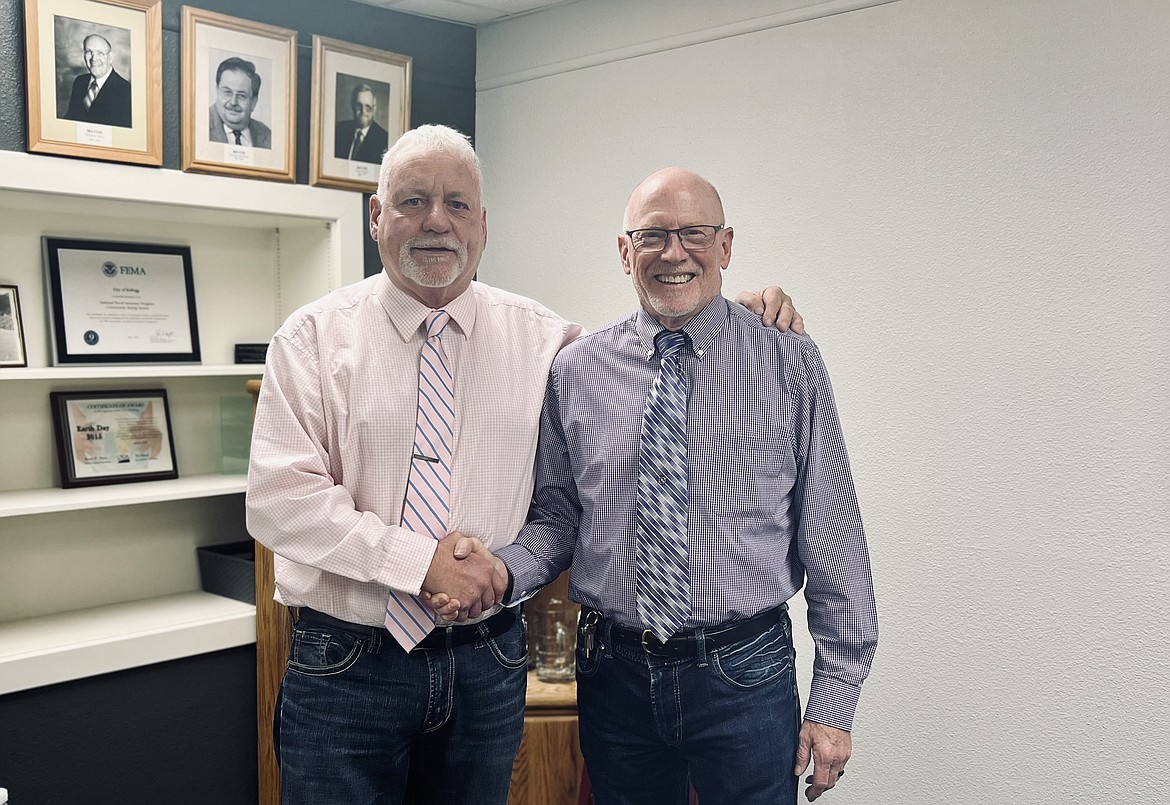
335	427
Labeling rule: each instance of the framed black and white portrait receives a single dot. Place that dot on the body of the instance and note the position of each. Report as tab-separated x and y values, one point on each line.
361	105
12	349
239	97
94	70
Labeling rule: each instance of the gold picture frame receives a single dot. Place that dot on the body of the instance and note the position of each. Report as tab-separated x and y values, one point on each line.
239	80
352	84
94	79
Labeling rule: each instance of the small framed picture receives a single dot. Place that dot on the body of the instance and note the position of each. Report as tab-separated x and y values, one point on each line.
12	351
361	105
94	79
239	97
113	302
113	437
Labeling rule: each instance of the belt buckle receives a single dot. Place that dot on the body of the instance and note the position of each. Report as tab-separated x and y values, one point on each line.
646	633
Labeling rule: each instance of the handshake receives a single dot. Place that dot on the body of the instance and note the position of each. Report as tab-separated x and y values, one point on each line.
464	580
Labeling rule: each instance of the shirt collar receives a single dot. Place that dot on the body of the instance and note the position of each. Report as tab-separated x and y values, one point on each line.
407	313
702	329
245	134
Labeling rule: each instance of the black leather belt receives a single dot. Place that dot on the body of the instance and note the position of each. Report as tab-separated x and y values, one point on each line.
441	637
683	644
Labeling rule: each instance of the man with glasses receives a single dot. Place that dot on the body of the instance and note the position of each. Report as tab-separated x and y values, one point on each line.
691	468
230	121
361	138
101	95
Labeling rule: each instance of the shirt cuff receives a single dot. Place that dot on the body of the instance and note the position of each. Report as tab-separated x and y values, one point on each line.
519	562
408	560
832	702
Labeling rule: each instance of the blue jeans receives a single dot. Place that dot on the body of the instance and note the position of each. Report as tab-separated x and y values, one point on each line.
728	722
361	721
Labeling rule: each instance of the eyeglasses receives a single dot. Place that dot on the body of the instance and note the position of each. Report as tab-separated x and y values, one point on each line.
692	238
226	95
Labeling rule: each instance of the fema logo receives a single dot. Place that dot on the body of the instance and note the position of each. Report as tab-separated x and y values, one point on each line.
91	337
109	269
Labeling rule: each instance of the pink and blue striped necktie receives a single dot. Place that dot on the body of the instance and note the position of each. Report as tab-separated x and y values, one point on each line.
663	570
426	506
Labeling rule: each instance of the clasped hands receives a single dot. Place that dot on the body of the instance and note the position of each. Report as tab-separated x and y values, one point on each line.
464	580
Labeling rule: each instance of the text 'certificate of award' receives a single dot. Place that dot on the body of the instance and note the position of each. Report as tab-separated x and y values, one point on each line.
121	302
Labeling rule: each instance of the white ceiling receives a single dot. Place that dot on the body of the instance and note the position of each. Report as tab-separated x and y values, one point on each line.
471	12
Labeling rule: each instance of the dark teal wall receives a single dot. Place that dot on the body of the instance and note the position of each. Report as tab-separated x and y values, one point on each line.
443	70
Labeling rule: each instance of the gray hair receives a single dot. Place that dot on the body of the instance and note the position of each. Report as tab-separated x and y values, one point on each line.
430	138
358	90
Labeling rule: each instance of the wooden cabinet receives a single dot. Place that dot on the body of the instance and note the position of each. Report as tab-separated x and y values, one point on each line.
549	764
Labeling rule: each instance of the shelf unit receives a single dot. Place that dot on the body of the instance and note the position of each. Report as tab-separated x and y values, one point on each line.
104	578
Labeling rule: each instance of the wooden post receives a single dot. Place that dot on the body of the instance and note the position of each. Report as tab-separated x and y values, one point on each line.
273	635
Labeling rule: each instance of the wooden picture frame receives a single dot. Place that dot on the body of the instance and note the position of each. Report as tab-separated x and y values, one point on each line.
69	45
113	437
225	60
352	82
120	303
13	352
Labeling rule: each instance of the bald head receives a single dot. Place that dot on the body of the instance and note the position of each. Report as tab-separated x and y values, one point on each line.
96	51
673	185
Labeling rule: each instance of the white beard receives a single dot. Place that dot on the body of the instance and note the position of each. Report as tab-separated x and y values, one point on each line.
431	276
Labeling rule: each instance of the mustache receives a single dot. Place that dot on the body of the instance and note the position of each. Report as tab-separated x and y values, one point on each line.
436	243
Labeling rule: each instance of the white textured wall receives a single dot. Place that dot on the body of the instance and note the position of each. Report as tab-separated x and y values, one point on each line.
969	201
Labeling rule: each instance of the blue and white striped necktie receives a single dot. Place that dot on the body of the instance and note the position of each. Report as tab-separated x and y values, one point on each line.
663	572
427	503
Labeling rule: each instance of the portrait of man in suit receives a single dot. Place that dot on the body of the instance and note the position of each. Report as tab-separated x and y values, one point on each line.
100	95
360	138
230	120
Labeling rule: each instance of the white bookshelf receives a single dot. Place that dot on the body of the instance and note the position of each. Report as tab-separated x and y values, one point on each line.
128	372
22	502
103	578
45	650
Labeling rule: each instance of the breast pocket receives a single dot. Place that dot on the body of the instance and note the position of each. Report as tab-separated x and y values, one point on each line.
743	473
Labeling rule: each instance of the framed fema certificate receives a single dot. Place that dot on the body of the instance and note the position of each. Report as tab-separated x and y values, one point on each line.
112	302
113	437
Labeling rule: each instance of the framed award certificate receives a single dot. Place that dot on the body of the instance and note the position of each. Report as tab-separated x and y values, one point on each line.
113	437
120	302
